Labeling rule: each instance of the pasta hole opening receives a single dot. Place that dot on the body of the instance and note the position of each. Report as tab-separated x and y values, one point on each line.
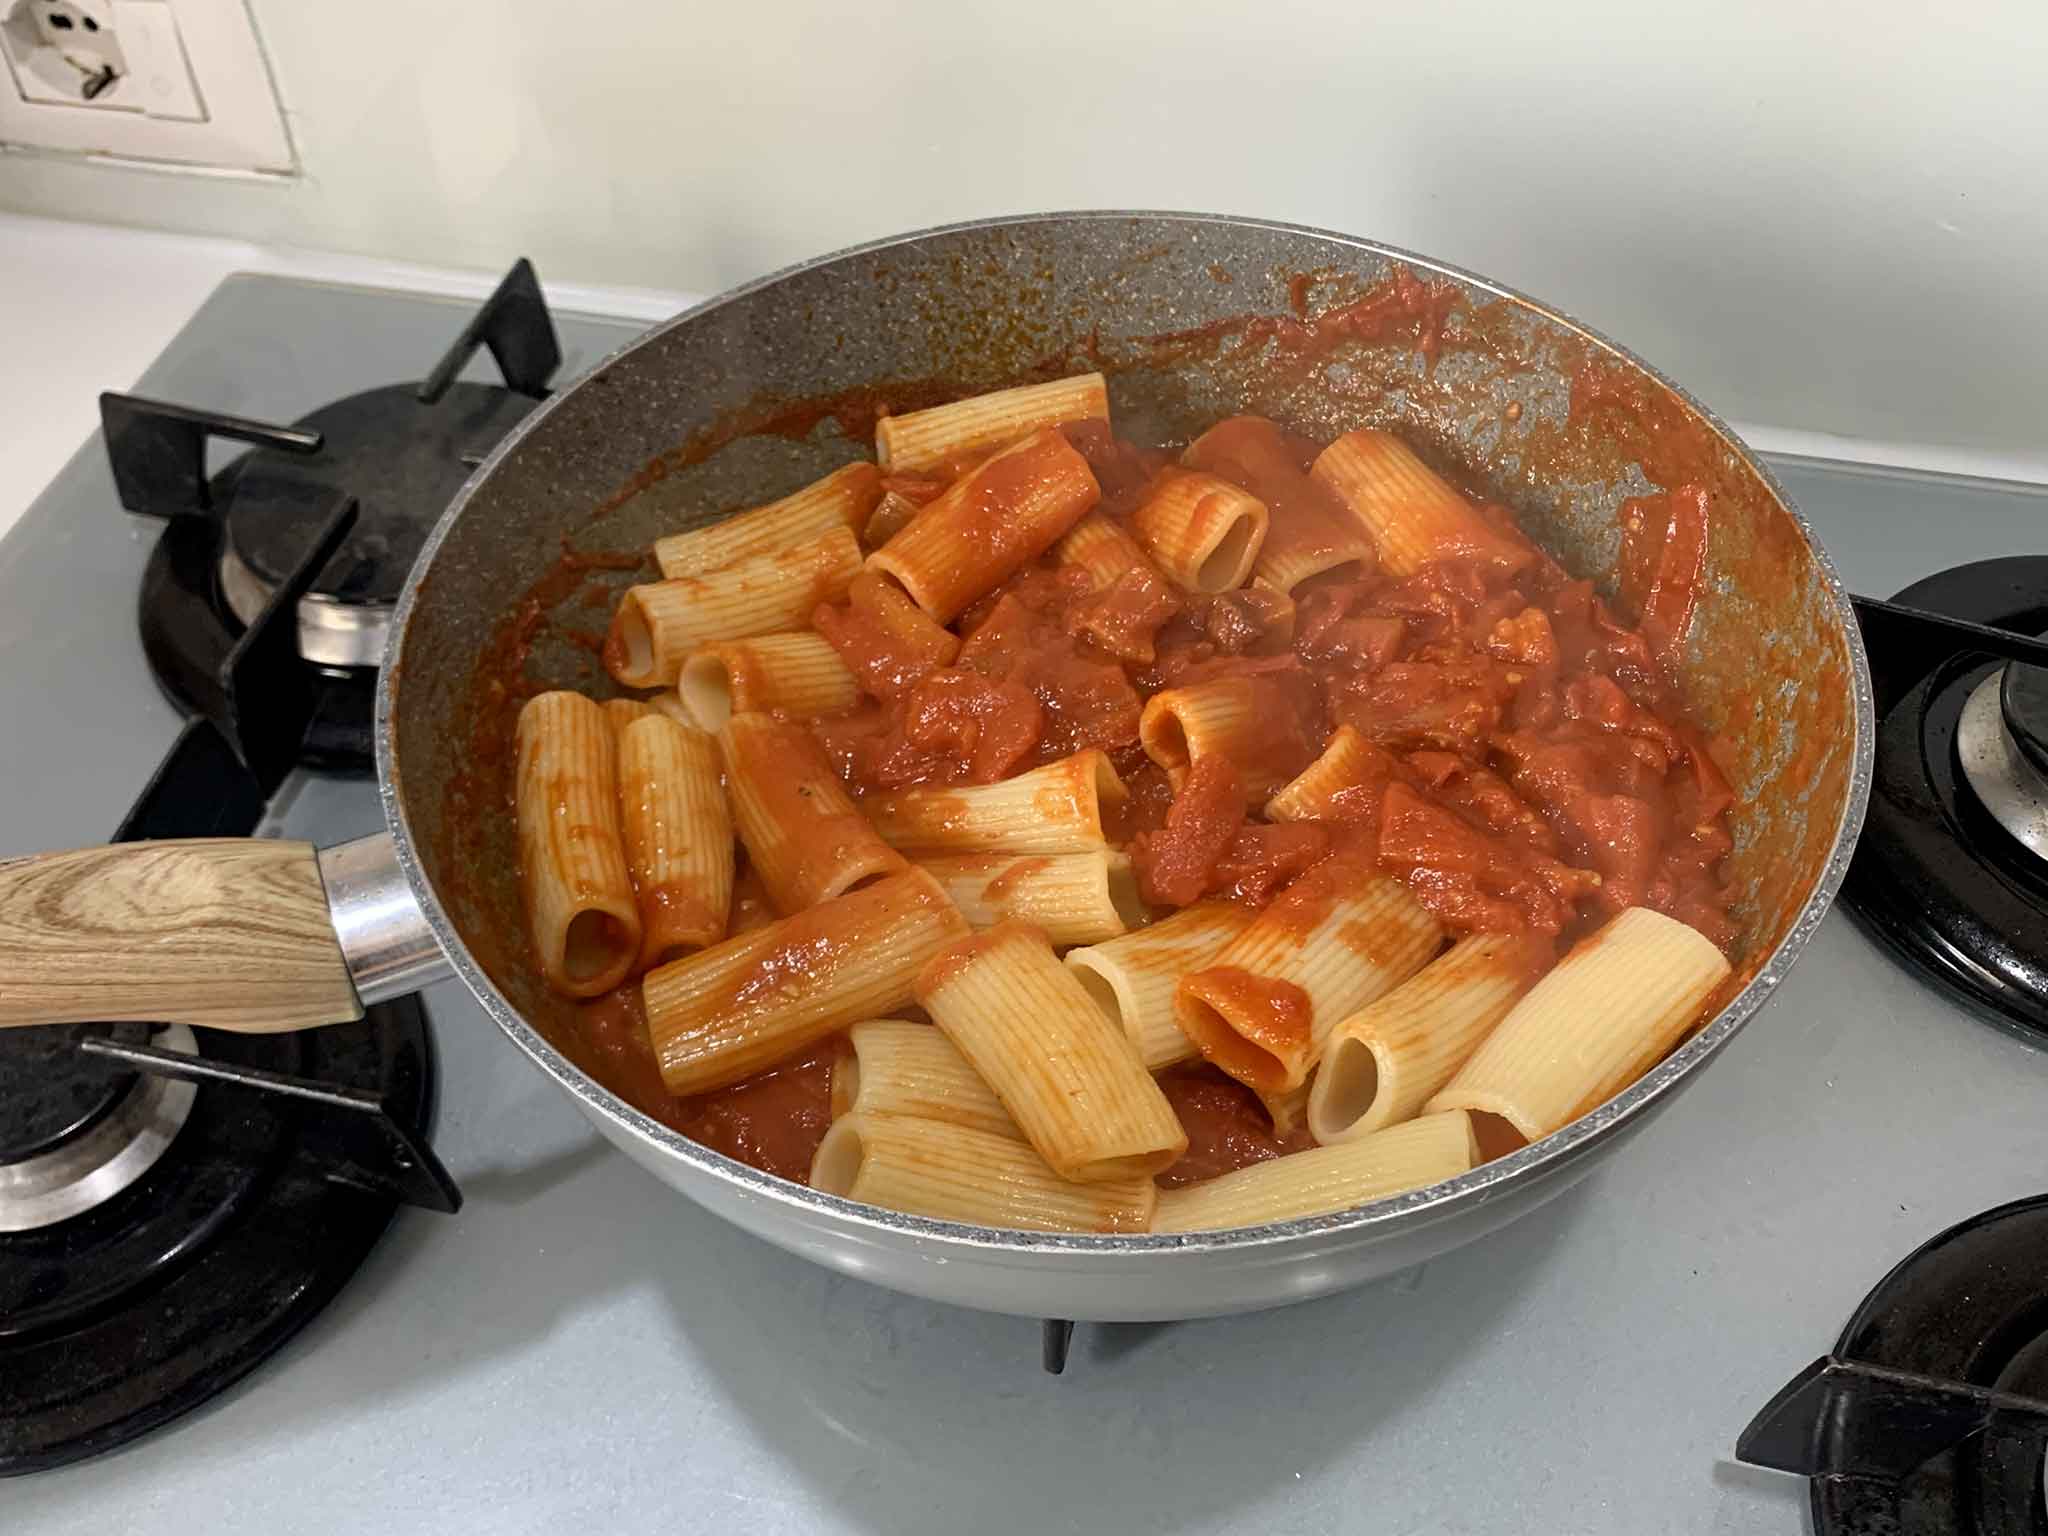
845	1084
1346	1087
1212	1035
837	1164
706	691
1169	744
635	641
1135	1165
1101	994
1495	1134
886	866
1225	565
1129	906
1109	786
592	945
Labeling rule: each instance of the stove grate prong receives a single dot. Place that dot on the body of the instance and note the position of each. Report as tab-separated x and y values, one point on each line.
515	324
1845	1418
158	450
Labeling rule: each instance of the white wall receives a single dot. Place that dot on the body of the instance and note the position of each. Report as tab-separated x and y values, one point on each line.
1819	215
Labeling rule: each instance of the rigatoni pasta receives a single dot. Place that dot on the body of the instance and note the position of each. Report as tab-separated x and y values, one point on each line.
677	833
1414	516
949	434
1382	1063
658	623
1054	809
952	1173
1073	898
1344	781
1229	717
797	673
1100	547
740	1007
804	836
1133	979
1067	1076
1307	533
1608	1013
1204	532
1302	546
581	915
1334	940
843	499
994	520
900	1068
1424	1151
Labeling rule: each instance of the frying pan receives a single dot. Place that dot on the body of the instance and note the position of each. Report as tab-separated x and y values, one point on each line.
744	398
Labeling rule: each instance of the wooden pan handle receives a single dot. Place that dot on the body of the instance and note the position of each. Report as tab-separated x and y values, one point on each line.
228	932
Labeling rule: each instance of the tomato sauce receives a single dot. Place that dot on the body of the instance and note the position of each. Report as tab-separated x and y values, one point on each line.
1537	778
1227	1126
1525	768
773	1121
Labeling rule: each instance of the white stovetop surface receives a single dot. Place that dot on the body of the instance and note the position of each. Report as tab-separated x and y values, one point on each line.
85	307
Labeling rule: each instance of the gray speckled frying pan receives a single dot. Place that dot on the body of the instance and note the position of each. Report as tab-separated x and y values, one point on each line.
756	392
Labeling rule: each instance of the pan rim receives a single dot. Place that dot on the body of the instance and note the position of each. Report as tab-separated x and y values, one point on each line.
1407	1211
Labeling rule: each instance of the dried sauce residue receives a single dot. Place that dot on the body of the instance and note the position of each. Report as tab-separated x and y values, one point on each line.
1400	307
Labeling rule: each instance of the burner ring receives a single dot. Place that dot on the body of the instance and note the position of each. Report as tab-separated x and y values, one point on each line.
100	1162
331	634
2008	784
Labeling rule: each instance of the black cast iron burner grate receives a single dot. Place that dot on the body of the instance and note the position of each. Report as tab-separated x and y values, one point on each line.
1931	1415
230	540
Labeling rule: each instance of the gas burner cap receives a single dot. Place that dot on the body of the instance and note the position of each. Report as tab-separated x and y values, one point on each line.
2004	773
128	1121
403	459
2023	703
50	1090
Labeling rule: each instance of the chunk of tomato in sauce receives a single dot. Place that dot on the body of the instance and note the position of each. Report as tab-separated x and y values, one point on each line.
1619	837
986	725
1471	880
870	751
1176	864
1022	637
1124	470
1228	1128
1451	705
1125	618
1262	858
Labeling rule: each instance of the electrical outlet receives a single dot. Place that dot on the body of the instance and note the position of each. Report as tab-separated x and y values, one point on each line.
178	83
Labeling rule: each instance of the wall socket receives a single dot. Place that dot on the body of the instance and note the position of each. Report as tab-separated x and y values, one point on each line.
173	83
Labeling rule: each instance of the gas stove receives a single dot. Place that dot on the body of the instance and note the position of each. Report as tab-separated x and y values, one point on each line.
579	1343
172	1208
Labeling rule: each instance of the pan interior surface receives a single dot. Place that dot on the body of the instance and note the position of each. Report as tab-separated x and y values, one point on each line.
1192	318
